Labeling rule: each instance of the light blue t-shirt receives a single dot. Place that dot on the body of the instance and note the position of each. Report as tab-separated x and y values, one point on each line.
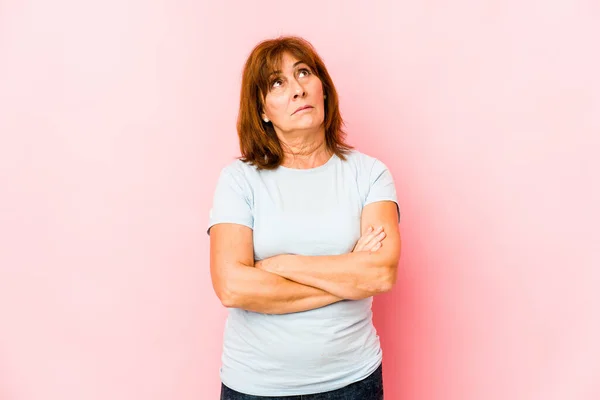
308	212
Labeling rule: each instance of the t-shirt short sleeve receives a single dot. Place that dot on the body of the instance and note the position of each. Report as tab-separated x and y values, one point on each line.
232	200
381	185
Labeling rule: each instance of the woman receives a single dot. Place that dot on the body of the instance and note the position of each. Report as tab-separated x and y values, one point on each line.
303	232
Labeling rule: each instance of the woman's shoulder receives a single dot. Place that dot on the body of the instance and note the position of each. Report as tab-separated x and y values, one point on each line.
361	160
239	173
239	167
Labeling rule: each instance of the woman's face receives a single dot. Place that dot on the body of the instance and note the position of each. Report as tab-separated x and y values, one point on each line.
294	101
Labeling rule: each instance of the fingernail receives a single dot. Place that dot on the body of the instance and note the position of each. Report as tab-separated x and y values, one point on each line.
370	229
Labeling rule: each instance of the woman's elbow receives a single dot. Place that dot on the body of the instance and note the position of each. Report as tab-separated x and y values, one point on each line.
227	285
382	281
228	300
386	286
390	271
226	295
387	279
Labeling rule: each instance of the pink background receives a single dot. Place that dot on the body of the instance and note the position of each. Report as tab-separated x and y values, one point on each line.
116	117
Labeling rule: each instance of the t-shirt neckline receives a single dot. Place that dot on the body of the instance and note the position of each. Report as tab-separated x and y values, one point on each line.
309	170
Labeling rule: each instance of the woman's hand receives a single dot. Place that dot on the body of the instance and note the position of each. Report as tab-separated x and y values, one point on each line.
370	241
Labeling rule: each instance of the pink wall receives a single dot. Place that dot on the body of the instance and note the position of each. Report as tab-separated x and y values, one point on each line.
117	116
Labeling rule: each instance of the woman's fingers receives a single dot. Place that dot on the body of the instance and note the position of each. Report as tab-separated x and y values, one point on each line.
376	247
370	239
361	241
364	239
373	241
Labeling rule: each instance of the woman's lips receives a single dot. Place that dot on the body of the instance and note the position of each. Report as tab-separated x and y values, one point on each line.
302	108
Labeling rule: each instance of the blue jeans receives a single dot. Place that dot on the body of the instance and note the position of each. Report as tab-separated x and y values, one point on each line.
370	388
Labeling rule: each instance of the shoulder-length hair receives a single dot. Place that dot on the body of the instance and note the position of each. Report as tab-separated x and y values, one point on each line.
259	143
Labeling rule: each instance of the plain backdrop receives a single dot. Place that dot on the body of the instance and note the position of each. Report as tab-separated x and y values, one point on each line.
117	116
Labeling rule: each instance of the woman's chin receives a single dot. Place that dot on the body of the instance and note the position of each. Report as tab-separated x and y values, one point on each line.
309	125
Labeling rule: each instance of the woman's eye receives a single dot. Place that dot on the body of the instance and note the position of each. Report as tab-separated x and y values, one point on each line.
276	83
304	72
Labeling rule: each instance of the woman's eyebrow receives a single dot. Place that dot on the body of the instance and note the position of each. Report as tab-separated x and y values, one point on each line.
277	72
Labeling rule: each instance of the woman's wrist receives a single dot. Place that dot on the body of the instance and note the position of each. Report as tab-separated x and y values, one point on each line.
272	264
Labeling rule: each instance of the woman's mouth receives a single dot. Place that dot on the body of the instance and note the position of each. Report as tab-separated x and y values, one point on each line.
302	109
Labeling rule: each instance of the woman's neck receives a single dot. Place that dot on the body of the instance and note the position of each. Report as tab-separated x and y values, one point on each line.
305	155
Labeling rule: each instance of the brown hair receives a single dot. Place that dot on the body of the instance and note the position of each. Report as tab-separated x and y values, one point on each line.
259	143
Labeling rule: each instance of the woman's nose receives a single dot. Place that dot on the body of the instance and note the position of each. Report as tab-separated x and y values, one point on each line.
300	92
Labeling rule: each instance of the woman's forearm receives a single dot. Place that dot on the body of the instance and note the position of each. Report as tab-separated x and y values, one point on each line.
349	276
255	290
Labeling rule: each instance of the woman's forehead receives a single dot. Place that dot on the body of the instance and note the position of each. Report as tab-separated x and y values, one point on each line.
282	61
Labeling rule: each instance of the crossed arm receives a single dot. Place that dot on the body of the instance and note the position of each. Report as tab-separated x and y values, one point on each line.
291	283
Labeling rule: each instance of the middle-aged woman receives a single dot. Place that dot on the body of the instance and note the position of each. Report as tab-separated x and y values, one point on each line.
303	233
